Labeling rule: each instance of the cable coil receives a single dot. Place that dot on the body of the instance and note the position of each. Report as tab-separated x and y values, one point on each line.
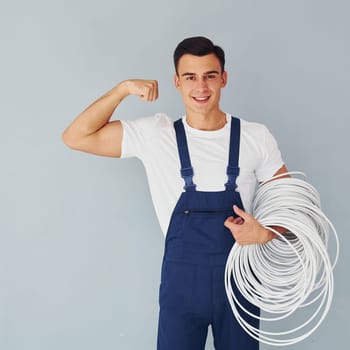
290	273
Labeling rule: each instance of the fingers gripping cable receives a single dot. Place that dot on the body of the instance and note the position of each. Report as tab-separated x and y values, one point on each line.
290	276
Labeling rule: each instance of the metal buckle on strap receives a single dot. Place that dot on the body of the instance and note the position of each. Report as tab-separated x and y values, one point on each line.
187	175
186	172
232	174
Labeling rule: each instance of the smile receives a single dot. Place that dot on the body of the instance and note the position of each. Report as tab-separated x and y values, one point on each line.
201	99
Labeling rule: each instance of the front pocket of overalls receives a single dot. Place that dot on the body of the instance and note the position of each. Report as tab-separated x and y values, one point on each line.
207	228
199	218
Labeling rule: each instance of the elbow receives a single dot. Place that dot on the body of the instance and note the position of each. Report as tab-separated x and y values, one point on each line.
69	140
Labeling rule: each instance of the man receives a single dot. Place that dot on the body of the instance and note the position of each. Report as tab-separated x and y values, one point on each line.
201	170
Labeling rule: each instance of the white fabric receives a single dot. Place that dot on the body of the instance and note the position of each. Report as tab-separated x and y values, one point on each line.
153	141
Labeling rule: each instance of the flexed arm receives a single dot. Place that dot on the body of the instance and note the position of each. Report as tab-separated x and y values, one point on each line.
93	132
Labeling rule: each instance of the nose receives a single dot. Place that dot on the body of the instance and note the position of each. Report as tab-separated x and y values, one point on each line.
202	83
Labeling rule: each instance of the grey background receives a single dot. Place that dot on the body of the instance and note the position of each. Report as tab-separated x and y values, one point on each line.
80	247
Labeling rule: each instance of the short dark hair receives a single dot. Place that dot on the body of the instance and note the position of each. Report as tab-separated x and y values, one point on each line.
198	46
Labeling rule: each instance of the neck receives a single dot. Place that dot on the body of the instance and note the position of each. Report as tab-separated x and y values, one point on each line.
206	122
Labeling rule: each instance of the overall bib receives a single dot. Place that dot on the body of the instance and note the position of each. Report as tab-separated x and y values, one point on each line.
192	291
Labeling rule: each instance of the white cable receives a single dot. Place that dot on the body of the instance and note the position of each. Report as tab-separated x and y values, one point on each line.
289	274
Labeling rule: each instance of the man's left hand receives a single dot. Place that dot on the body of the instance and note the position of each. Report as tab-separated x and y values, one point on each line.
246	229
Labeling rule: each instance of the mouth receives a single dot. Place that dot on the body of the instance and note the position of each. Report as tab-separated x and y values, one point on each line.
201	99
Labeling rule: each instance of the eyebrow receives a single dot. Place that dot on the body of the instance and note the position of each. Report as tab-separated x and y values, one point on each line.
209	72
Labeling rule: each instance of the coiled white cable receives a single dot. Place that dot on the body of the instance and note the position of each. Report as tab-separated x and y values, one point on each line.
290	276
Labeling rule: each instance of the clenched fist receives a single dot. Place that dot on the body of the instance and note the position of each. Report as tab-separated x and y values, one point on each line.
147	90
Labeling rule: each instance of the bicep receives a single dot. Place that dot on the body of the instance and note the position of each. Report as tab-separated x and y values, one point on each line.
107	141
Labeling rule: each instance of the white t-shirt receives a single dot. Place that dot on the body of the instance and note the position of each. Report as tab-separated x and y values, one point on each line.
153	141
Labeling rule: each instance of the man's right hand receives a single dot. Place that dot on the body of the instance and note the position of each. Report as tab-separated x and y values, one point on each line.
147	90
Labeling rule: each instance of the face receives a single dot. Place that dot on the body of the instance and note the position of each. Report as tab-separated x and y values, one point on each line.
200	80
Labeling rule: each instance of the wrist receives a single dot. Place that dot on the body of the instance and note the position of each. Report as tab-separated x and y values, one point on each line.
269	235
121	90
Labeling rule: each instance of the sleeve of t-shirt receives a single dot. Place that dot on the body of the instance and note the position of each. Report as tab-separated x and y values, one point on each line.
137	136
271	158
133	138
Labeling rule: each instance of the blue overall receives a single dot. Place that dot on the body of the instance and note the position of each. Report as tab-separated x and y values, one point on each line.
192	291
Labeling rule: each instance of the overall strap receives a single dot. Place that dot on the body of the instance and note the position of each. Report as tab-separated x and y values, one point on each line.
232	168
186	167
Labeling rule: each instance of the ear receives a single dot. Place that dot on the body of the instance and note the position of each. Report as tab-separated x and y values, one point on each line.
176	81
224	79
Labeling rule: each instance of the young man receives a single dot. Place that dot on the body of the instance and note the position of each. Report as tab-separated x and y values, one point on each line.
202	172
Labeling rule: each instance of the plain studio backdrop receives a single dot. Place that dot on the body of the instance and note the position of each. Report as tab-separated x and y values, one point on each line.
80	246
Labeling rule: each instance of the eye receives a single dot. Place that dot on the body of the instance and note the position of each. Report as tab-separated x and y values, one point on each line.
190	77
211	76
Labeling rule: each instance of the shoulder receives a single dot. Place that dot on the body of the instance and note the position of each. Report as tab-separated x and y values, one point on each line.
157	121
249	127
256	138
144	135
254	132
